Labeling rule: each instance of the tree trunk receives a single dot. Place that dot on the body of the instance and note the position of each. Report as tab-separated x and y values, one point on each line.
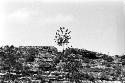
63	48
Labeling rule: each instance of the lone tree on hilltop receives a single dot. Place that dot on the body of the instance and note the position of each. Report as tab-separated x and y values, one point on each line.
62	37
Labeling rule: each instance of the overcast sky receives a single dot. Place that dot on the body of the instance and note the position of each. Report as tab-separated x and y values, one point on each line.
97	25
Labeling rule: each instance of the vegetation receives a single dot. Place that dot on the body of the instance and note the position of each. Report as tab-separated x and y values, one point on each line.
47	64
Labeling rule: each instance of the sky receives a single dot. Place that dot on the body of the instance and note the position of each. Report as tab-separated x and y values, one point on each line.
96	25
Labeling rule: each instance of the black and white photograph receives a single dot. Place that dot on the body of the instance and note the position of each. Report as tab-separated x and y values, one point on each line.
62	41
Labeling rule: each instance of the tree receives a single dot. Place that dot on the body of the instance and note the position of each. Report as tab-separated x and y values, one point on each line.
62	37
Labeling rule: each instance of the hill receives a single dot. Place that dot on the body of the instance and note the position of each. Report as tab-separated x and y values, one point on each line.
45	63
